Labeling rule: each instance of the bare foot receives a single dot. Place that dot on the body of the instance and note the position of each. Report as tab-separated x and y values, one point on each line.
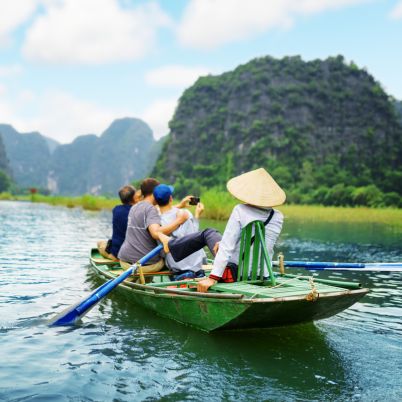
216	248
164	240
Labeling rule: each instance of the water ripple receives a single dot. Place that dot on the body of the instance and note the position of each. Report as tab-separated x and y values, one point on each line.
122	352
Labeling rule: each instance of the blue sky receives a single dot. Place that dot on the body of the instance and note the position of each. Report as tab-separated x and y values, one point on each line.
70	67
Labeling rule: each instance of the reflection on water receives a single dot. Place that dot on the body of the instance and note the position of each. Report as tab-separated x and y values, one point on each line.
122	352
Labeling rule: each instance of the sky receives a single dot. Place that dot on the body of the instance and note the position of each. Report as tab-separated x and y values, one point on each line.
71	67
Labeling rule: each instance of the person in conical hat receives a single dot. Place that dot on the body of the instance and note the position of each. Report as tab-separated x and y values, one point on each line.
259	193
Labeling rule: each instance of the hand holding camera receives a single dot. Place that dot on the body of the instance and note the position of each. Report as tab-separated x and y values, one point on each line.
194	200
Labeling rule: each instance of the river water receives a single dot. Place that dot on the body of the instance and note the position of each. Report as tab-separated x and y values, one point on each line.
123	353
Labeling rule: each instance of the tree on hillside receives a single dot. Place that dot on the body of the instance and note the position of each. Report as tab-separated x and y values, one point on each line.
5	182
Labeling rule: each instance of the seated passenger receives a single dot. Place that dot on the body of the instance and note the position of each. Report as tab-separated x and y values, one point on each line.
143	227
259	192
110	248
190	267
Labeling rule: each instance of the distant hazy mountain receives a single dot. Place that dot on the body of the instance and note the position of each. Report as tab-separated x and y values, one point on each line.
4	166
70	164
29	156
126	151
51	143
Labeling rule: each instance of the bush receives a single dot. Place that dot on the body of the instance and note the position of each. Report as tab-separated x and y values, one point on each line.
392	199
89	202
320	195
340	195
6	196
369	196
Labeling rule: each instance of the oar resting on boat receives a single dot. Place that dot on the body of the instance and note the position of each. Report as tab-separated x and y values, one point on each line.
342	266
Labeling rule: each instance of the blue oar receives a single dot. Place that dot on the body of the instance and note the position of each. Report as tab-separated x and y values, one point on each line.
78	310
344	266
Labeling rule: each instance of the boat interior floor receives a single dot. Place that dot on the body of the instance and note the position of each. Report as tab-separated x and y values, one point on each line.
258	289
286	285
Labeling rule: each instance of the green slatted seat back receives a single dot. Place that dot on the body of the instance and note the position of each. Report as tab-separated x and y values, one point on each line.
254	254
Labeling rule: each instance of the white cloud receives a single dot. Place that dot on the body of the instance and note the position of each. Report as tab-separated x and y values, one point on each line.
209	24
7	109
175	76
396	12
64	117
10	70
13	13
158	114
93	32
56	114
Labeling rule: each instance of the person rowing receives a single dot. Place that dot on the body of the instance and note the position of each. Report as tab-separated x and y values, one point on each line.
259	193
143	227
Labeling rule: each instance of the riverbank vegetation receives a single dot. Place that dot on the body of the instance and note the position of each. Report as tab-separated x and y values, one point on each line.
218	206
86	201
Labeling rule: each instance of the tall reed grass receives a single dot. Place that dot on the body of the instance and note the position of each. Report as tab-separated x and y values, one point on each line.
86	201
219	205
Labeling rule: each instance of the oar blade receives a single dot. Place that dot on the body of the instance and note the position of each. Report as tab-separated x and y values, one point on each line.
72	314
68	316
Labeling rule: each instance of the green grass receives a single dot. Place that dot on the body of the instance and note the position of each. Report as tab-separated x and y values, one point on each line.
6	196
88	202
219	205
387	216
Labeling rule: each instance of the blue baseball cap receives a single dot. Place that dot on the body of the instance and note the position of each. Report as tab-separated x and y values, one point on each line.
162	193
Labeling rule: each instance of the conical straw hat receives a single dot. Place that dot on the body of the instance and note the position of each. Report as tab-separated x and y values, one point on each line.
257	188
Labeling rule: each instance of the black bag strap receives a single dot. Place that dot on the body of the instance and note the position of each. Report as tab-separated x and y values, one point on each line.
271	214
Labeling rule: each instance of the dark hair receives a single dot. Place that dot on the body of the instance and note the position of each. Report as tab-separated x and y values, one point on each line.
161	203
126	194
148	185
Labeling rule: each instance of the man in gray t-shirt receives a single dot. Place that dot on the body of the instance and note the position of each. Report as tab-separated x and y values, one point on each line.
138	241
143	227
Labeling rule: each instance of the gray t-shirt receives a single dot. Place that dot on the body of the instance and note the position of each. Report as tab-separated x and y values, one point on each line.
139	241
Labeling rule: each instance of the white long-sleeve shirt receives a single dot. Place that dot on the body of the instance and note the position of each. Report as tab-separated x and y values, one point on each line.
242	215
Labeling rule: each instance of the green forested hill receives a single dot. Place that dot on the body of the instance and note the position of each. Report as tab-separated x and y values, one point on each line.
398	108
326	131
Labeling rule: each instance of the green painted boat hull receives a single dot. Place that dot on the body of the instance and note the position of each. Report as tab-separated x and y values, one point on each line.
244	312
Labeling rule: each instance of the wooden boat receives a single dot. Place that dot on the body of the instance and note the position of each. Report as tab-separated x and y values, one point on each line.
280	300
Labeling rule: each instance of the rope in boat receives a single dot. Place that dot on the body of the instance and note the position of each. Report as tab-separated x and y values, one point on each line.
312	295
289	280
